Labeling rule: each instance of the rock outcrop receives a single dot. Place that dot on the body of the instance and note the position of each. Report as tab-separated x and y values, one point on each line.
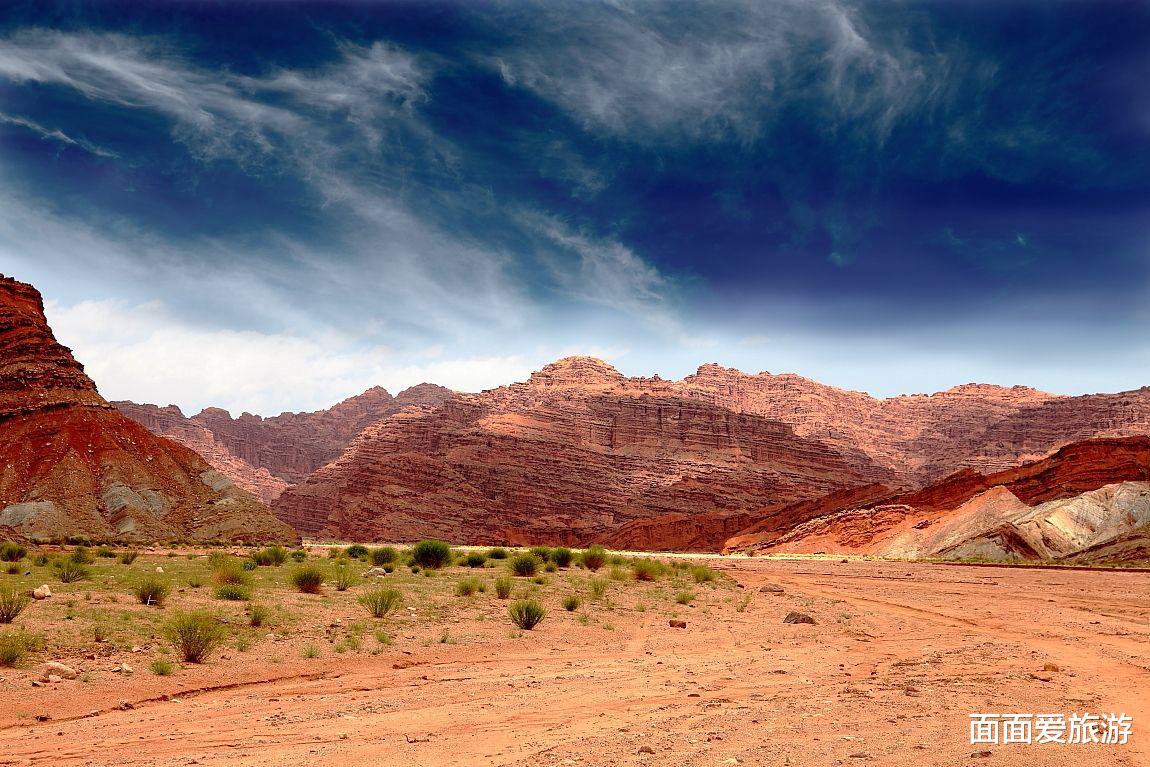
573	455
71	464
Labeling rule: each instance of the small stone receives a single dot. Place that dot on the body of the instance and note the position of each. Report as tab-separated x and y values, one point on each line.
126	705
646	750
54	679
1052	667
677	624
126	669
859	754
797	617
60	670
159	569
981	754
41	592
772	588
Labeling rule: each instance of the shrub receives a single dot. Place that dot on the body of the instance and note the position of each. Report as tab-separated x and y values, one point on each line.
161	667
497	553
524	565
526	614
81	555
41	560
14	647
467	587
685	597
233	592
475	559
308	579
385	555
229	572
195	581
195	635
248	565
617	574
105	552
550	567
562	556
379	602
299	555
258	615
647	569
594	557
389	567
152	591
503	586
69	571
128	557
14	568
702	574
357	551
12	603
12	552
571	603
272	556
542	552
431	555
344	575
598	588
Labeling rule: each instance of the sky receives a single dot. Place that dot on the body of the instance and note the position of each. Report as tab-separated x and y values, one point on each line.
269	206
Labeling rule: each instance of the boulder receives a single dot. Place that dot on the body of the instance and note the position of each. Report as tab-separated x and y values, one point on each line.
797	617
41	592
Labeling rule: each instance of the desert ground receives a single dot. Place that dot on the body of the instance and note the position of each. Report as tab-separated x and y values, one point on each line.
898	657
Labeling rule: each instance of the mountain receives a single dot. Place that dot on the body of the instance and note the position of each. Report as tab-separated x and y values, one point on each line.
1088	501
266	455
569	456
71	464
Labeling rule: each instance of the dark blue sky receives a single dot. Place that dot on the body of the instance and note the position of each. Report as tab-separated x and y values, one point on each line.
270	205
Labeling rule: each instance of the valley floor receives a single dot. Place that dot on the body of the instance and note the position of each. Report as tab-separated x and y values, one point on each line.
900	656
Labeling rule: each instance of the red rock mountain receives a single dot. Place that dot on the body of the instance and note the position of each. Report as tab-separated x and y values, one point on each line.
266	455
71	464
570	456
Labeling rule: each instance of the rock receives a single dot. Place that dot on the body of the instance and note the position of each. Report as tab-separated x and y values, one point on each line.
772	588
374	572
676	624
1052	667
646	750
60	670
42	592
981	754
53	678
124	668
152	487
797	617
159	569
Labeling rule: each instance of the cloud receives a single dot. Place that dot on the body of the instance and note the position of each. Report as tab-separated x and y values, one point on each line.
57	135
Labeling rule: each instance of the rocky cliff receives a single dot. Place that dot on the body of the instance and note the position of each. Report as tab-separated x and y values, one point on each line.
71	464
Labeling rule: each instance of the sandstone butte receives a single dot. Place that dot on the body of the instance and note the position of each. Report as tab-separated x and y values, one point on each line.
73	465
580	453
1089	501
266	455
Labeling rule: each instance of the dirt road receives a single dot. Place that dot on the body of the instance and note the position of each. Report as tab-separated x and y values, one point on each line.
900	656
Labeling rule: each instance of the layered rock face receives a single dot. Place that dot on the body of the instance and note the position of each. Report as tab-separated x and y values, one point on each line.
266	455
1088	501
571	456
71	464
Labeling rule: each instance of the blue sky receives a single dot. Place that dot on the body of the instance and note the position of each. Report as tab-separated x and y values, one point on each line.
273	205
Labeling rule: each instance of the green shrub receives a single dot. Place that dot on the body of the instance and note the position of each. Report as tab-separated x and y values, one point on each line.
468	587
248	565
384	555
229	572
12	552
594	557
128	557
14	568
389	567
233	592
308	579
272	556
647	569
685	597
195	635
195	581
69	571
431	555
541	552
105	552
161	667
152	591
571	603
258	615
379	602
524	565
526	613
299	555
357	551
550	567
12	602
702	574
598	588
503	586
15	647
343	575
475	559
617	573
81	555
42	560
562	556
497	553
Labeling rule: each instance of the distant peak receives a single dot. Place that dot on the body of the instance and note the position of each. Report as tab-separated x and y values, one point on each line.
576	370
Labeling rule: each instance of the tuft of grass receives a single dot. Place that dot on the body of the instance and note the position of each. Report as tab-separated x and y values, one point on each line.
227	571
525	565
467	587
572	602
431	555
357	551
14	647
344	575
703	574
379	602
542	553
475	559
594	557
152	591
12	603
195	635
41	560
526	613
272	556
106	552
298	555
195	581
309	652
70	571
617	573
162	667
127	557
383	637
12	552
497	553
308	579
503	586
685	597
598	588
385	555
562	556
550	567
81	556
258	615
233	592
